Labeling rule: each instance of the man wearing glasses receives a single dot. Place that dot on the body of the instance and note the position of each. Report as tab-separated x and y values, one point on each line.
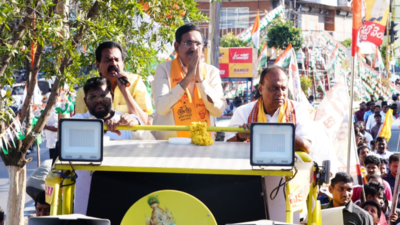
99	101
186	89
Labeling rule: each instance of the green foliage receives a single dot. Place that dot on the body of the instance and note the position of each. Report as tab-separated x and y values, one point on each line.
230	40
124	21
281	34
383	53
346	43
305	83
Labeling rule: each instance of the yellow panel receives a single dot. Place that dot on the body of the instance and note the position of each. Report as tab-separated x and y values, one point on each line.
223	55
168	207
242	70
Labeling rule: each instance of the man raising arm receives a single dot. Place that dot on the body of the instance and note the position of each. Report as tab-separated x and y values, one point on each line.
133	99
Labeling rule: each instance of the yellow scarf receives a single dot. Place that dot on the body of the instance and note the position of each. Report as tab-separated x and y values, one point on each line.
187	109
286	113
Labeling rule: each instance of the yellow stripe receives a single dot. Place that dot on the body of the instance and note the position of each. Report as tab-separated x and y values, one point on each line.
281	173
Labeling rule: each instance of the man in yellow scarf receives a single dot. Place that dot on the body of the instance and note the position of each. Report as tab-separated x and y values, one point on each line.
186	89
273	106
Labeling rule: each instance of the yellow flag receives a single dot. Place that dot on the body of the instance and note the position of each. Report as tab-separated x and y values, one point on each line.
387	126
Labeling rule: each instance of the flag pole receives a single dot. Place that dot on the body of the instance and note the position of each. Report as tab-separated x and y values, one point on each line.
350	113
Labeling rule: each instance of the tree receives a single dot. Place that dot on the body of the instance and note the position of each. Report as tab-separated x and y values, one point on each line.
346	43
230	40
60	30
281	34
305	84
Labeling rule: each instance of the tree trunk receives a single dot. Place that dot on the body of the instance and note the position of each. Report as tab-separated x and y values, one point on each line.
16	195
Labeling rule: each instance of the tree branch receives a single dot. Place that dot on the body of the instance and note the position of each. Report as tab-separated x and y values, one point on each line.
32	82
5	60
31	137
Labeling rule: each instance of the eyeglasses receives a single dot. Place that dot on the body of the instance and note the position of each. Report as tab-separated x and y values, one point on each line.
189	44
102	97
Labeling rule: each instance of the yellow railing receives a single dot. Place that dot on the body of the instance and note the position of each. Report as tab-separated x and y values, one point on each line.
179	128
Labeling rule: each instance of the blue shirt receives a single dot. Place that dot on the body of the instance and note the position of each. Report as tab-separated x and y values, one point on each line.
367	114
390	179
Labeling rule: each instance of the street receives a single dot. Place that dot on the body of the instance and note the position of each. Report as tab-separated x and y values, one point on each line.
31	166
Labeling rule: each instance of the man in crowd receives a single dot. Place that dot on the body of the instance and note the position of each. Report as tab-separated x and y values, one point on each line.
396	101
375	191
341	189
360	113
377	127
394	108
391	175
374	209
363	152
379	102
185	89
371	122
372	164
273	106
383	167
382	148
42	208
370	106
98	100
133	99
361	127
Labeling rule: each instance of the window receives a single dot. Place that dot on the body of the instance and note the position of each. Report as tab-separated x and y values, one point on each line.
234	18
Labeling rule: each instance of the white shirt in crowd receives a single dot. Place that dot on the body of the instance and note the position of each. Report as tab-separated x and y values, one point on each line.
51	136
371	120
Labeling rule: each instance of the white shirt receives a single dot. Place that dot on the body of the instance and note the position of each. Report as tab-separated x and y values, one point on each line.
368	137
83	182
51	136
165	97
304	128
371	120
125	134
385	155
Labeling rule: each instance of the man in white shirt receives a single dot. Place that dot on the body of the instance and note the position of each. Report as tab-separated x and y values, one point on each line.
185	89
98	100
51	131
274	106
382	148
371	119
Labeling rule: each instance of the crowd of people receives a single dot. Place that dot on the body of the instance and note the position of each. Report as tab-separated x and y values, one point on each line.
370	203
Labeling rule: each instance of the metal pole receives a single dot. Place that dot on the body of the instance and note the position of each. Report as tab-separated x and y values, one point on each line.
214	37
350	135
38	154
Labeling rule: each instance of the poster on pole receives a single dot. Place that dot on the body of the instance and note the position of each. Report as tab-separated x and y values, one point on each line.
376	15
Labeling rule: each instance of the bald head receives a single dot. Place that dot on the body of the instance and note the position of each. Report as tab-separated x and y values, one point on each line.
273	88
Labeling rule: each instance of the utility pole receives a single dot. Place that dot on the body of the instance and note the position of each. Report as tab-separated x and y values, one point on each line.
215	7
388	44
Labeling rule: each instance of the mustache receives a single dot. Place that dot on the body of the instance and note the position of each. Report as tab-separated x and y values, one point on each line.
112	67
189	52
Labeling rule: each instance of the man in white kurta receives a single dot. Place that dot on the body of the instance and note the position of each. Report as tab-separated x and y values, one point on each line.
274	106
193	75
99	103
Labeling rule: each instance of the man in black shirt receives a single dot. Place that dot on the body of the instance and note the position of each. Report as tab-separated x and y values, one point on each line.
341	189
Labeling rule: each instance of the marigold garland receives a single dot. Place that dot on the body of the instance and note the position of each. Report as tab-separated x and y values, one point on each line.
199	135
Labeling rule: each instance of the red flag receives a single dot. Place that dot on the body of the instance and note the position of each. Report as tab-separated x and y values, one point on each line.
357	24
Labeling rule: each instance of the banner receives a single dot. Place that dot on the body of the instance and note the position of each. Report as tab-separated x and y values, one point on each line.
358	8
332	59
331	132
235	62
262	60
375	21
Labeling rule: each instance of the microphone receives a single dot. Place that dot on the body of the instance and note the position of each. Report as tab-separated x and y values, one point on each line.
123	80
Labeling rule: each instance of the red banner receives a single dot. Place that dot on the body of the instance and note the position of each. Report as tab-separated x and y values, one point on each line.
224	70
373	32
240	55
